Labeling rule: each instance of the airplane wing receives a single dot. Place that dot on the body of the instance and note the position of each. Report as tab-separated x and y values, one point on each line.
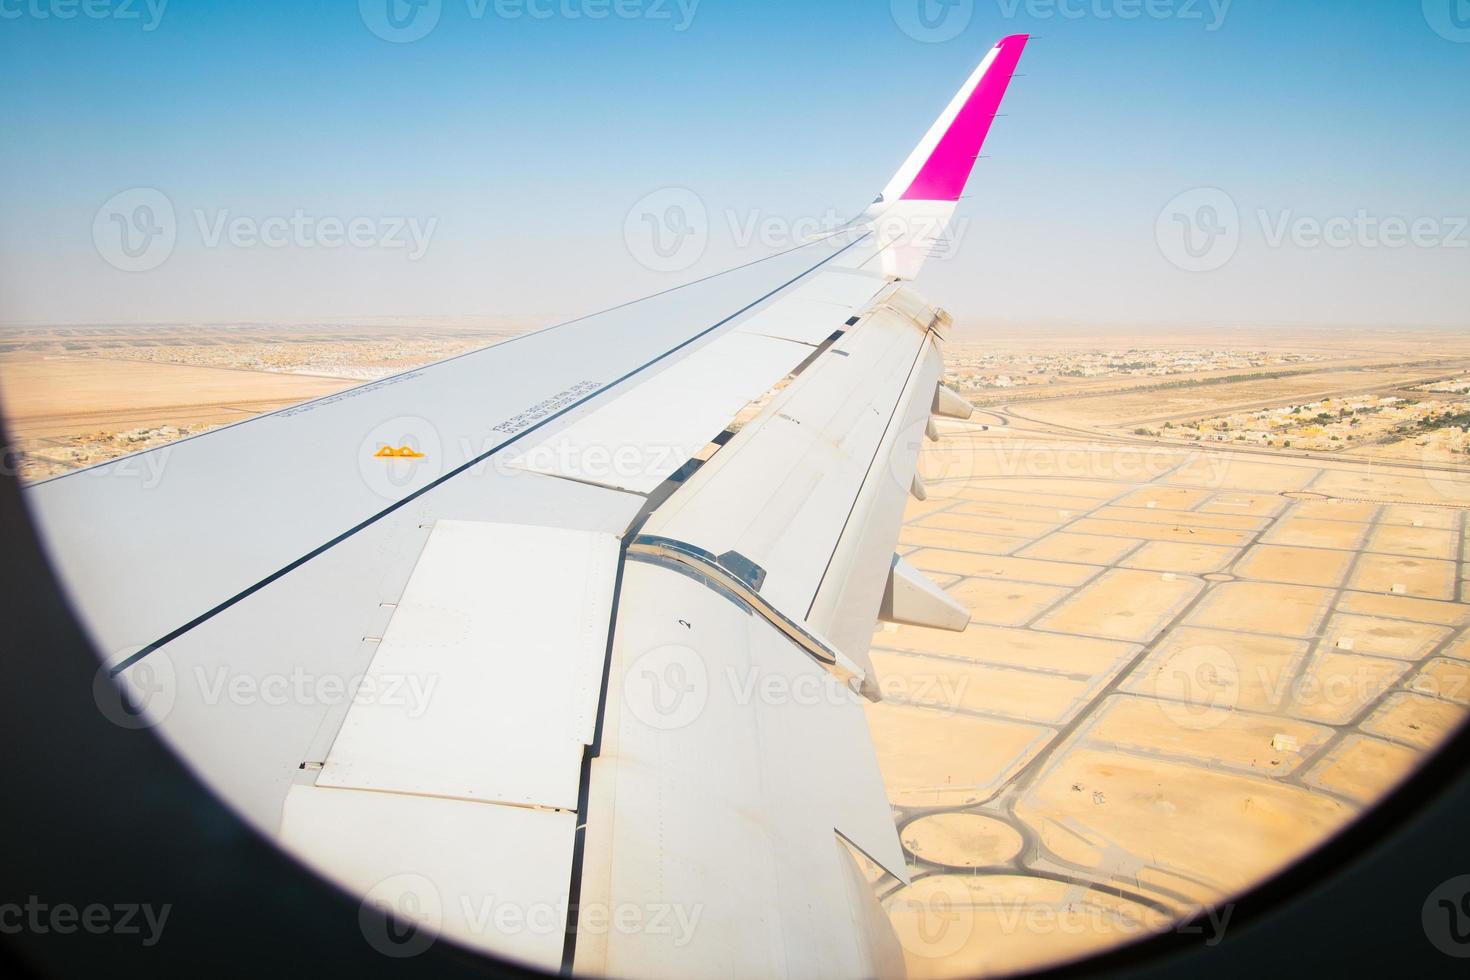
537	646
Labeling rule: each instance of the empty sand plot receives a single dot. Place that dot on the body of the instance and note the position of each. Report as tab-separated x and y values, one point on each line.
1401	607
61	396
1336	687
1075	655
1066	546
1204	669
1000	566
1247	504
1096	491
931	537
1161	532
1123	605
1285	610
1296	566
1420	577
962	840
1232	522
1189	559
1165	498
965	759
1422	542
1008	692
1438	518
1020	512
1215	736
1363	768
1001	603
1416	720
999	495
1092	803
1335	510
1232	473
990	525
1387	486
1459	648
969	925
1384	637
1305	532
1448	680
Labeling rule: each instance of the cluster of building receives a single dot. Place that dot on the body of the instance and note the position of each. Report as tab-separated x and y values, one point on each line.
977	366
1335	423
40	459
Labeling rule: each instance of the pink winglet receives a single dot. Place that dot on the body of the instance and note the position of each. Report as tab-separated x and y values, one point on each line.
944	174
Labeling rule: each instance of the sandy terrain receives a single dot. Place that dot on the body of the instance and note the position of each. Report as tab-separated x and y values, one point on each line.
1196	664
78	396
1188	663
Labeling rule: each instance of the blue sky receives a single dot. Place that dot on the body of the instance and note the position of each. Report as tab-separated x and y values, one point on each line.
505	151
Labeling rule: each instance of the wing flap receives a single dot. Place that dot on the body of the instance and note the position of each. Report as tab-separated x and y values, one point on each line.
486	683
448	866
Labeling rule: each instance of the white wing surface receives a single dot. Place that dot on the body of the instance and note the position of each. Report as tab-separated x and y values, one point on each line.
540	648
